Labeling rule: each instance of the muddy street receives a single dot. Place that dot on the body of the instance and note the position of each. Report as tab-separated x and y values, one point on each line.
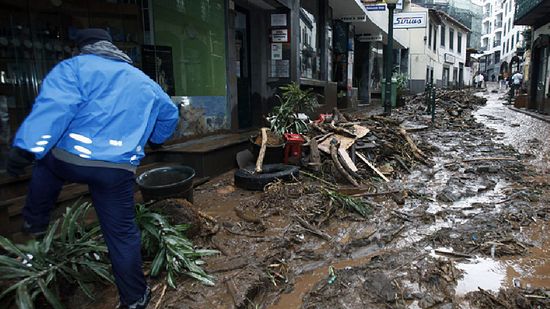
467	229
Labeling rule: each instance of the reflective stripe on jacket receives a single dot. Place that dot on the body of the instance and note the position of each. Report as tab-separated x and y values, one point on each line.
98	109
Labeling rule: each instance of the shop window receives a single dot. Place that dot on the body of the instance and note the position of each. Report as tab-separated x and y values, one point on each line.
190	44
310	56
36	35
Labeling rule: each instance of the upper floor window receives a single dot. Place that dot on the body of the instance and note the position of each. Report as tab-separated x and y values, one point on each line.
435	39
459	42
451	38
430	35
443	32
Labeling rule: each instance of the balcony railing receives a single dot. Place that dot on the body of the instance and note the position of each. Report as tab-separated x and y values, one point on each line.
484	48
523	7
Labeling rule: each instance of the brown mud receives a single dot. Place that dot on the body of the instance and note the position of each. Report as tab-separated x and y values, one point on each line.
469	230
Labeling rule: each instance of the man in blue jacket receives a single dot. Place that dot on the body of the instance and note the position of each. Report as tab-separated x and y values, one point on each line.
94	115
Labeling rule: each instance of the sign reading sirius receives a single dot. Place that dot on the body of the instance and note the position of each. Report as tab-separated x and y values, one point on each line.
409	20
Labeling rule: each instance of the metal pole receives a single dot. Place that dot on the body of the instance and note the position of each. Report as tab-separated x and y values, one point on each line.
389	61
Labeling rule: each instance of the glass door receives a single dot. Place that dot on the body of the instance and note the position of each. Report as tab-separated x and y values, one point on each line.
242	67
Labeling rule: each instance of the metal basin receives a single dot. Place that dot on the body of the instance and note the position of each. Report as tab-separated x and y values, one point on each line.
167	182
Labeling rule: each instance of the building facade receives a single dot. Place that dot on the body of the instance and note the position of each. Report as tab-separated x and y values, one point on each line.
223	61
500	40
536	14
440	57
467	12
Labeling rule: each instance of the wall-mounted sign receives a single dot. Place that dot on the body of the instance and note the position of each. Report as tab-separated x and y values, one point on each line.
399	5
276	51
376	7
278	20
279	35
409	20
368	37
450	58
280	68
354	18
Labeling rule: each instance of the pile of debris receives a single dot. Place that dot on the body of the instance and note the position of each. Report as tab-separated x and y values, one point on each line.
360	148
451	106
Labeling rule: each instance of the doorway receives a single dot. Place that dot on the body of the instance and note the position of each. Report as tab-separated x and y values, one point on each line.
446	77
242	67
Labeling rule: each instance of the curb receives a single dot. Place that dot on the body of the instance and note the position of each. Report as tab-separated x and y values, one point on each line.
532	114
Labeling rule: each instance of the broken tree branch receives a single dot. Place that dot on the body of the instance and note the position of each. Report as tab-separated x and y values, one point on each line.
419	154
341	130
490	159
455	254
260	160
334	155
338	116
362	157
315	155
329	184
310	228
161	296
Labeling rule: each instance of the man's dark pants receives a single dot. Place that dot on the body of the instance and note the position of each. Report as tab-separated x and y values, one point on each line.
112	192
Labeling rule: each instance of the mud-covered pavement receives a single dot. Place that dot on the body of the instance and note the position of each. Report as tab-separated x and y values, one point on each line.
468	231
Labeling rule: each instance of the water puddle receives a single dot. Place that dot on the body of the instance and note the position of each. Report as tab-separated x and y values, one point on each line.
305	282
484	273
527	134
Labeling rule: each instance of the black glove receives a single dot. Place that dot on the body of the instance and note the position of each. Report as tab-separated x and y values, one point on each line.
18	159
154	146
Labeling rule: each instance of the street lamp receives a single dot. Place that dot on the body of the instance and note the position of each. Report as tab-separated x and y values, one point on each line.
389	57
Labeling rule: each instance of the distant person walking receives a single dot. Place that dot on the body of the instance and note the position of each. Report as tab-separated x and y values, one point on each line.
517	78
479	80
501	82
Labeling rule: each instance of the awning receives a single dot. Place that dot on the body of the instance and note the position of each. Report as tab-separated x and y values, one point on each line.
375	23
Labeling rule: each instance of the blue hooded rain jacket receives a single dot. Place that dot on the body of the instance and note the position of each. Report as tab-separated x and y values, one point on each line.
98	109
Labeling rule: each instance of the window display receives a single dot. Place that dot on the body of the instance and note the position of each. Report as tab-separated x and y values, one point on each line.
184	51
35	36
309	39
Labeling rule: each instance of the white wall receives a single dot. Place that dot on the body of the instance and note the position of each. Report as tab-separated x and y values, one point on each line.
422	56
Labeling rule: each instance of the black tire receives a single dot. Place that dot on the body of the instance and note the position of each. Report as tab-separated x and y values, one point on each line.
245	178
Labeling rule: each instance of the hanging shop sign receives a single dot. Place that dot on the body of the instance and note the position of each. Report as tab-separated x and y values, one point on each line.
279	35
450	58
376	7
354	18
409	20
368	37
399	5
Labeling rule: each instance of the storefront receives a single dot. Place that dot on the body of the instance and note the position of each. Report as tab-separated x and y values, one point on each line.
540	75
222	60
180	44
